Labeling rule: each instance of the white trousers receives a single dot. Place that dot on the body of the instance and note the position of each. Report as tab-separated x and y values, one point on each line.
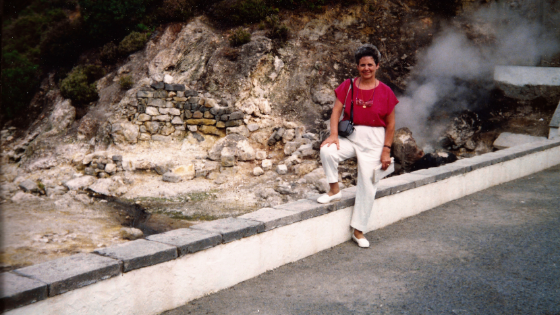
365	143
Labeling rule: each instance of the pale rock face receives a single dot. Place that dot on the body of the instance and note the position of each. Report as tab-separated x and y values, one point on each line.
63	115
249	107
242	130
245	151
323	95
264	107
168	79
125	132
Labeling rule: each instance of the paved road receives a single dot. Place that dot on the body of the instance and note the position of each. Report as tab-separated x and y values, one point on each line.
493	252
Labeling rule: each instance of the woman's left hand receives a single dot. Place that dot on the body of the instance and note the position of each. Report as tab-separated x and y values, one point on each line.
385	158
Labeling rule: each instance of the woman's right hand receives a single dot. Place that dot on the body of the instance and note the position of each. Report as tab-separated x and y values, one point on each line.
332	139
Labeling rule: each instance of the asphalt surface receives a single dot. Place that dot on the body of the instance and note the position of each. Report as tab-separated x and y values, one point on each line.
493	252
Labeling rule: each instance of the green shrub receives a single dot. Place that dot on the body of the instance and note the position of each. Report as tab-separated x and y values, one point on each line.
109	53
20	79
79	85
277	30
176	10
238	12
239	37
133	42
126	82
60	44
109	19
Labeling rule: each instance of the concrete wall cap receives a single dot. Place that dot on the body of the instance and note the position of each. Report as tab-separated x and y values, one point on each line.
272	218
72	272
231	229
188	240
139	253
308	208
19	291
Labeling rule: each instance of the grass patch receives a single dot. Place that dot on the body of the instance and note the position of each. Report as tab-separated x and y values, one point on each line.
239	37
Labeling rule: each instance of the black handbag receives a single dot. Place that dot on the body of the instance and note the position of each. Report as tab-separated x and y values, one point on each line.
346	127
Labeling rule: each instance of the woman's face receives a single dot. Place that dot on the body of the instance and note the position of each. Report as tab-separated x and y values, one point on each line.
367	67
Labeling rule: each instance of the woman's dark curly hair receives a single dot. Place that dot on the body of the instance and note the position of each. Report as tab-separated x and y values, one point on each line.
367	50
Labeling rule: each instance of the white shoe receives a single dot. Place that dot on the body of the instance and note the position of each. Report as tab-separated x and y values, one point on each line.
362	242
326	198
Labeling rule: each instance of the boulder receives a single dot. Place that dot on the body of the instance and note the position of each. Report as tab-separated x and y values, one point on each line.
305	168
111	168
257	171
152	126
260	155
229	141
242	130
291	147
125	132
29	185
80	182
245	151
461	130
288	135
284	189
152	111
227	157
266	165
282	169
253	127
103	186
167	130
405	150
128	233
318	179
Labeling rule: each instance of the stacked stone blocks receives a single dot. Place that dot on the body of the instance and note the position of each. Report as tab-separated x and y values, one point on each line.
171	109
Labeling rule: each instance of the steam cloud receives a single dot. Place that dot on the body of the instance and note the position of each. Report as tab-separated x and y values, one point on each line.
445	70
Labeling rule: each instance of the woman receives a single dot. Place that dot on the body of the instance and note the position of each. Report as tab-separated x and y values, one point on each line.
374	122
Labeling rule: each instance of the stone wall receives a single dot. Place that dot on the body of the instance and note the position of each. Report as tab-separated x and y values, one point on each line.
166	110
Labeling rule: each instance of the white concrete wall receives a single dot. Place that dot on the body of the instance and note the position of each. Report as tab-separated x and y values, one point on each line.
154	289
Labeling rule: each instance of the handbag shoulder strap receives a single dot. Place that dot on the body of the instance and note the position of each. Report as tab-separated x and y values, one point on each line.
351	102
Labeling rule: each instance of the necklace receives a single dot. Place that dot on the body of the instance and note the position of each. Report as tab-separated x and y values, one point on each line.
360	101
